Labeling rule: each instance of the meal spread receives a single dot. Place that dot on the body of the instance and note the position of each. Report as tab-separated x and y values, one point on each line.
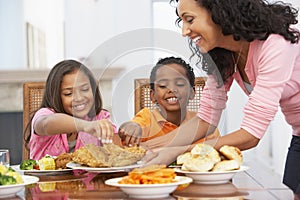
153	174
204	158
108	155
45	163
9	176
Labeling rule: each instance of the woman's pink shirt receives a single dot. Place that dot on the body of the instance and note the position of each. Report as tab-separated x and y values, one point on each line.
273	69
55	145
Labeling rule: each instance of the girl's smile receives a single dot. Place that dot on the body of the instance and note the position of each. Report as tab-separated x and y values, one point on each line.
76	94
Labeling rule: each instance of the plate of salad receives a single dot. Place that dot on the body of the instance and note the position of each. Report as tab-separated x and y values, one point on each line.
11	181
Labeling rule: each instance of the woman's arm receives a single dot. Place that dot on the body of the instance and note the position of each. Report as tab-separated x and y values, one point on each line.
241	139
186	134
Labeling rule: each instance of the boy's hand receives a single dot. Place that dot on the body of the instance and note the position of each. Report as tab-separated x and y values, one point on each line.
130	133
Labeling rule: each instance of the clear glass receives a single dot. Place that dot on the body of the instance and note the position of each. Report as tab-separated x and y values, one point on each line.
4	157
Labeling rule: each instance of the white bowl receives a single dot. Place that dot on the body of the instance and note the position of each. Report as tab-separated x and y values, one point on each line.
149	191
11	190
218	177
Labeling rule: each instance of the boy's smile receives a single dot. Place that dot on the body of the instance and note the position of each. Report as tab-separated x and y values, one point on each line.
171	89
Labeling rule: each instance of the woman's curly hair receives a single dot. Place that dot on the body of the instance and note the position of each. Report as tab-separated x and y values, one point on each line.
246	20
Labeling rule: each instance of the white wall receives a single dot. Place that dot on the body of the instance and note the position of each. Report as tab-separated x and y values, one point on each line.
12	32
48	17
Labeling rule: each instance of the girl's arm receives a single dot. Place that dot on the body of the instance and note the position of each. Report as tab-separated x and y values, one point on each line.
59	123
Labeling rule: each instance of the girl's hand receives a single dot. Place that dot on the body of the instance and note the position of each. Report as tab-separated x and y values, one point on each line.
130	133
102	129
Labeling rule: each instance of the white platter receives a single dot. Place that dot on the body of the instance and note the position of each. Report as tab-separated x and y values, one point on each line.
218	177
74	165
11	190
149	191
42	172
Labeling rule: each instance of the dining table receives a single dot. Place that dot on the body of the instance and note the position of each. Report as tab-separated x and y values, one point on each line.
257	182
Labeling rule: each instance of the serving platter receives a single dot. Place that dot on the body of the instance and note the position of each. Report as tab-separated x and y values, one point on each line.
7	191
217	177
149	191
74	165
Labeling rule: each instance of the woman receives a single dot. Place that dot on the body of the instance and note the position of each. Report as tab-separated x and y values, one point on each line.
254	43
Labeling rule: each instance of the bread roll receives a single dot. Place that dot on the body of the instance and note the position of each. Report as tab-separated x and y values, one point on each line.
197	165
206	151
232	153
226	165
183	157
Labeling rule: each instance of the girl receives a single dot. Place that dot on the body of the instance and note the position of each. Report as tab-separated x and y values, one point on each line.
71	113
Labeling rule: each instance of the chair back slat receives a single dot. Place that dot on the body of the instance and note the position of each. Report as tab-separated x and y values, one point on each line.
32	97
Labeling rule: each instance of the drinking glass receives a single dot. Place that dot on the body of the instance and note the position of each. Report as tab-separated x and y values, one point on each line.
4	157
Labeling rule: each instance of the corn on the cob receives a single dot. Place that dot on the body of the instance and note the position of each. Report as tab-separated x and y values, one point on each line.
47	163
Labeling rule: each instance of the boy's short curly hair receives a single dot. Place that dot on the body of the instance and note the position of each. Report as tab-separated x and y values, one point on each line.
173	60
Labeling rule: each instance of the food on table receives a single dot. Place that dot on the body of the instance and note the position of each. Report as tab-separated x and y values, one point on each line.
184	157
152	174
62	160
9	176
232	153
204	158
198	165
109	155
226	165
29	164
205	151
47	163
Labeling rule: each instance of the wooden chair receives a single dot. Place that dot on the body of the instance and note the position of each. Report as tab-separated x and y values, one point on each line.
142	94
32	98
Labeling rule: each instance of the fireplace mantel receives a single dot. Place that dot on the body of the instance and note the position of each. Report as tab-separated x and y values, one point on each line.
17	76
11	85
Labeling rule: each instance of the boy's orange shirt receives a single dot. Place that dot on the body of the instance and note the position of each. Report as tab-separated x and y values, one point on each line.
154	125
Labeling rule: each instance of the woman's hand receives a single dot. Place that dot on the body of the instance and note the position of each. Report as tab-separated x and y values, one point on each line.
102	129
130	133
163	156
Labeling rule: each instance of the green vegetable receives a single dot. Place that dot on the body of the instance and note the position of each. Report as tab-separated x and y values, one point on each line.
28	164
11	170
173	163
7	180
